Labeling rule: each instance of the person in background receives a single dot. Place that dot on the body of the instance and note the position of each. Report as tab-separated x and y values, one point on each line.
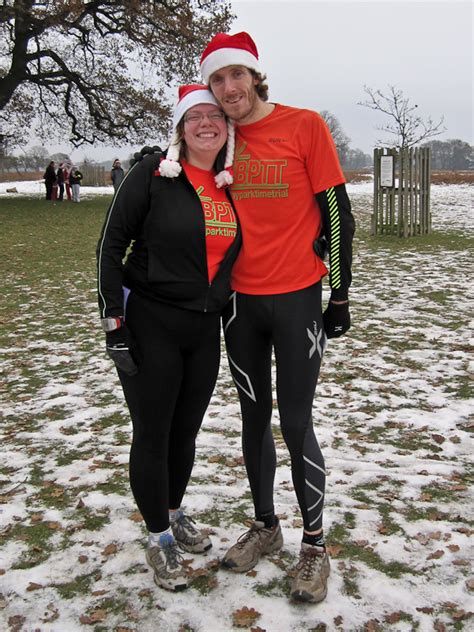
67	173
75	178
289	192
60	179
117	174
50	179
161	313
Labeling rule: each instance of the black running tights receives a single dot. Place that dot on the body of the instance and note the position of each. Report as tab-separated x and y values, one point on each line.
292	325
177	352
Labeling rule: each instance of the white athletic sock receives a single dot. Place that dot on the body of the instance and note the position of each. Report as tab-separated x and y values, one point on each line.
154	538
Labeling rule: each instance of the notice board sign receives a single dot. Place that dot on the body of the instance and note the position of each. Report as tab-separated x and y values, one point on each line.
386	171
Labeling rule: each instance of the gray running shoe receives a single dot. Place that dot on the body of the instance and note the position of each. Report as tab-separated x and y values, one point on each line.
249	548
187	536
167	564
310	583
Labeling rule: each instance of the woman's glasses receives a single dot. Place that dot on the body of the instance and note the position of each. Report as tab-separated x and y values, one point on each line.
197	117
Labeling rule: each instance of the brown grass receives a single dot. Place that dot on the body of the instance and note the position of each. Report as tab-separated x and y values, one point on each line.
452	177
437	177
13	176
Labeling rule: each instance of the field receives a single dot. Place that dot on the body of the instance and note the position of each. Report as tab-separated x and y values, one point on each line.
393	413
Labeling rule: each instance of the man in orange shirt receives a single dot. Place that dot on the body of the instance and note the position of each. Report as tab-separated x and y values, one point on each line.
289	193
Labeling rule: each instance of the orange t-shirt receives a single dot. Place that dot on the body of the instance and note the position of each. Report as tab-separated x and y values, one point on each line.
280	163
219	216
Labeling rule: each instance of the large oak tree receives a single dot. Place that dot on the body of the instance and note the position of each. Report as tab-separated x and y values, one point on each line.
99	70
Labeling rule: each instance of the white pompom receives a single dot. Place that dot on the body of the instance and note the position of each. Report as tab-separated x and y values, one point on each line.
223	179
170	168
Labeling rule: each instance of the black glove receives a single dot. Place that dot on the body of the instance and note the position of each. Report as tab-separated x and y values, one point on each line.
337	319
118	346
320	247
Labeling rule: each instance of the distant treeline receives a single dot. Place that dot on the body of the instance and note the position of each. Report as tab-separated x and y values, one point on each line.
447	155
451	155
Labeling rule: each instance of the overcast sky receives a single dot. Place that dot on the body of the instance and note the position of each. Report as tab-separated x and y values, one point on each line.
319	55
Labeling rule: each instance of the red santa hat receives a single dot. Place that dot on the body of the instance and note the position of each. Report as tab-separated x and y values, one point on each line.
188	97
229	50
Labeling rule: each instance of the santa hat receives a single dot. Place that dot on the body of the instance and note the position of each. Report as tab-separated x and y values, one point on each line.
188	97
229	50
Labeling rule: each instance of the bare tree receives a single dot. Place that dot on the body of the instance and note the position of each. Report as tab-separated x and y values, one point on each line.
98	69
408	127
341	139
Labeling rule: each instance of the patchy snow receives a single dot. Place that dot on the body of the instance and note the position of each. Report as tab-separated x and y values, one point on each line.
393	413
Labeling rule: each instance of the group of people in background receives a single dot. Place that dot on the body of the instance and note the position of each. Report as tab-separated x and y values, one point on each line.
66	178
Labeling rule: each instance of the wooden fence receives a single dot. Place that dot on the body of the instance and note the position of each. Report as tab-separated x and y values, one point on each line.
402	181
93	175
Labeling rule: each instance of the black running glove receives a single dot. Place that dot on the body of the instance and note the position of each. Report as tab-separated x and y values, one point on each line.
118	346
320	247
337	319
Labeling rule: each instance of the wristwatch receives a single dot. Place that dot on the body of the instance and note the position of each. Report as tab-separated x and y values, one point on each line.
111	324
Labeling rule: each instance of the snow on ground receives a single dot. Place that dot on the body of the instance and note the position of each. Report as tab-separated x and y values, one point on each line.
393	414
35	188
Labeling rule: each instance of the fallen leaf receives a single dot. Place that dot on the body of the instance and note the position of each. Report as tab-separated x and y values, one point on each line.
460	615
16	622
435	555
338	620
136	516
99	593
454	548
96	617
470	584
372	626
53	525
33	586
439	626
82	559
426	610
334	550
245	617
81	504
110	549
438	438
216	458
251	573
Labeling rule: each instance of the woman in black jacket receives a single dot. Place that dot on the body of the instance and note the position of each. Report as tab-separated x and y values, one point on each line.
49	179
161	313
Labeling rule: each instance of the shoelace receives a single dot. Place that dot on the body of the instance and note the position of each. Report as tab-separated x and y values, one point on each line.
184	522
308	564
251	534
172	556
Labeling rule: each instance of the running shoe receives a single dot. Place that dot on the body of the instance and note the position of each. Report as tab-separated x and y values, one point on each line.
187	536
167	564
250	547
310	583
